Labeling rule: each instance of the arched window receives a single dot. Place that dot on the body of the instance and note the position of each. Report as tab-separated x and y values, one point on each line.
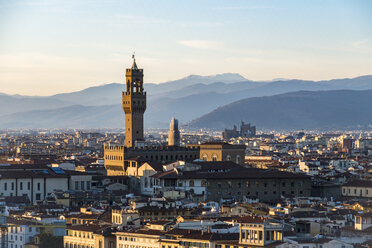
228	157
214	158
191	183
205	157
238	159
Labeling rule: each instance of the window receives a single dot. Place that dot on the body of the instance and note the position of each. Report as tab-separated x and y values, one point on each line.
21	185
12	186
5	186
76	185
38	186
214	158
88	185
38	196
82	185
238	159
28	185
191	183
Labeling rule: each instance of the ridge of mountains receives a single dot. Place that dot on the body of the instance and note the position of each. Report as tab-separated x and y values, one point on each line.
322	110
189	98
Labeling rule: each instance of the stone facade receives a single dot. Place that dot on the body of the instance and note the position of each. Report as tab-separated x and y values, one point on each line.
221	151
134	105
216	180
174	133
265	189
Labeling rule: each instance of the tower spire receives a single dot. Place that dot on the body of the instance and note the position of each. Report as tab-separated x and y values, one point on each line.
134	66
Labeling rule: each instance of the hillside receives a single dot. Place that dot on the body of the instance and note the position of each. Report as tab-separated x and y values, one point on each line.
295	110
186	99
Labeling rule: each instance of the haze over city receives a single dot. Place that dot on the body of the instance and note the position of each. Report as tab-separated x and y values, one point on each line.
50	47
185	124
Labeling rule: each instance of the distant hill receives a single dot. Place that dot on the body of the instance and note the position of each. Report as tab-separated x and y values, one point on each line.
76	116
187	99
295	110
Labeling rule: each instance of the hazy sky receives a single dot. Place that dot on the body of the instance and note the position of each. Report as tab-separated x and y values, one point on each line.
50	47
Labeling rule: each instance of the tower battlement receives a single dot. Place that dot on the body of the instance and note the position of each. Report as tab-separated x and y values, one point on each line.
134	105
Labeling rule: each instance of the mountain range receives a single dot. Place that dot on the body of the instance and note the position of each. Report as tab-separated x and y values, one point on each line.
322	110
192	99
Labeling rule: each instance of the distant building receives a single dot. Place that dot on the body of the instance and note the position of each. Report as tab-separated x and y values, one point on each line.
37	181
174	133
134	105
358	189
364	144
214	181
119	159
220	151
246	130
89	236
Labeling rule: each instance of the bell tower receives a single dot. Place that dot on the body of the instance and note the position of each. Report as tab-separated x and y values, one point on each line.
134	105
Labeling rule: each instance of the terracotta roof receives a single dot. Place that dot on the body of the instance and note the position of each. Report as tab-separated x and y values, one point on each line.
228	171
45	173
250	219
17	199
159	222
359	183
143	231
87	228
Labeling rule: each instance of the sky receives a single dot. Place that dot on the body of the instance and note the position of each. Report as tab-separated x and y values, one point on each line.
49	47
